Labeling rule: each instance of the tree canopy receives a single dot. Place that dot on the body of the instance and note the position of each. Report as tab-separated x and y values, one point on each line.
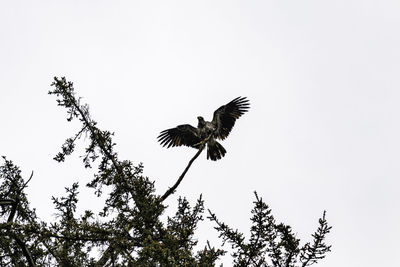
129	230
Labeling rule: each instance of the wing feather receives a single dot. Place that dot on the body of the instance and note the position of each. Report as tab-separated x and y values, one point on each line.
225	117
185	134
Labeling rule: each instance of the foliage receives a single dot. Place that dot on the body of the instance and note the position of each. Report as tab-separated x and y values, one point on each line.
129	230
272	244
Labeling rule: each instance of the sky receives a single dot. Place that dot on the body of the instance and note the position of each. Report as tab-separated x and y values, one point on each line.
322	132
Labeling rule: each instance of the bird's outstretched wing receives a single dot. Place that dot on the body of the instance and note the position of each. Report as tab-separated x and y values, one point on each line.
225	117
185	135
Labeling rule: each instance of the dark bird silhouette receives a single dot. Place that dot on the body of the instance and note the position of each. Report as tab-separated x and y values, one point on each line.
207	132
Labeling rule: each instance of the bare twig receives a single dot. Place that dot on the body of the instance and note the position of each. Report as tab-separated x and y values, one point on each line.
172	189
25	184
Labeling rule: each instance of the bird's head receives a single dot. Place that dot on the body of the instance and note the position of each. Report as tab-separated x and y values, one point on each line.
201	121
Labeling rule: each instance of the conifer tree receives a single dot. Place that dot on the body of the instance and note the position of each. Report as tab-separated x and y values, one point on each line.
128	231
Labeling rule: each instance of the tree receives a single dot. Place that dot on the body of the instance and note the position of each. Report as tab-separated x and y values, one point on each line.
128	231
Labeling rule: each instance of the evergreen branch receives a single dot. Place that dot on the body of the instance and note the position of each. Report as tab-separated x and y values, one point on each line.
311	254
89	123
226	233
103	142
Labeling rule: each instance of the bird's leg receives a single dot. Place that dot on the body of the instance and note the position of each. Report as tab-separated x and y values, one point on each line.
199	143
202	142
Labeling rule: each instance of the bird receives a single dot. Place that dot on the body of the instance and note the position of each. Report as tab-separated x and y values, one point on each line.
207	132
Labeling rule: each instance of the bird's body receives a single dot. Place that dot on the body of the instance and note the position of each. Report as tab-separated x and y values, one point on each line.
207	131
206	128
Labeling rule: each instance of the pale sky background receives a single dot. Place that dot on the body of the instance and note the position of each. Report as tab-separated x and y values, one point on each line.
322	132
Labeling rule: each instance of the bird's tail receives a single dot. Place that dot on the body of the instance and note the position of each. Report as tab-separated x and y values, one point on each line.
215	150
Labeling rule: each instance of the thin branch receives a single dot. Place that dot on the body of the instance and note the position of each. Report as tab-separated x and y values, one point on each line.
14	203
25	184
4	202
95	135
13	211
172	189
106	255
75	238
25	251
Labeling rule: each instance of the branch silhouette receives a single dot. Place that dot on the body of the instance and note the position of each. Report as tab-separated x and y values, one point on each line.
172	189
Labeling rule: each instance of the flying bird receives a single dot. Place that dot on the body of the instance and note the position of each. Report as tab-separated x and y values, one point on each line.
207	131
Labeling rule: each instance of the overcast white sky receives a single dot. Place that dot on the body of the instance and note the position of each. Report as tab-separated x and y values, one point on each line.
322	132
